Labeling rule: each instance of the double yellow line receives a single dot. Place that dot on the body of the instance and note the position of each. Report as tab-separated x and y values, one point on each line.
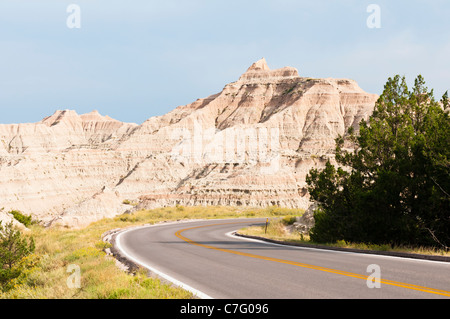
303	265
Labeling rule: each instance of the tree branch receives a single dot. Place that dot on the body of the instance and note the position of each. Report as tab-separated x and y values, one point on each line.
437	240
440	187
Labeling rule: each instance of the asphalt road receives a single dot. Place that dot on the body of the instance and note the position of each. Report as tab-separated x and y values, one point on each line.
203	257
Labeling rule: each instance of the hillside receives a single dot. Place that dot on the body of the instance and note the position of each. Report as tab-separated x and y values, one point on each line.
251	144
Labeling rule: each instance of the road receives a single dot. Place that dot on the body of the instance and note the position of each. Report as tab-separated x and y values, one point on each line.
205	258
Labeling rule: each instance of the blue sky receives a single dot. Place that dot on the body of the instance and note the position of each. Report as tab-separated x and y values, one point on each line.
135	59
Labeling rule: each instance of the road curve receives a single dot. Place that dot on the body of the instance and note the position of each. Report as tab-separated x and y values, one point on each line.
203	257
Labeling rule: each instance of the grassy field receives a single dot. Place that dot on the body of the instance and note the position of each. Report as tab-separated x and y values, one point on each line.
47	269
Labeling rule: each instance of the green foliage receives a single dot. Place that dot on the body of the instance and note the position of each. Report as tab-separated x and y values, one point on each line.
395	185
24	219
84	252
119	293
288	91
14	249
288	220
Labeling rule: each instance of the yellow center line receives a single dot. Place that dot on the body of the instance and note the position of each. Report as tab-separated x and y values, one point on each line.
303	265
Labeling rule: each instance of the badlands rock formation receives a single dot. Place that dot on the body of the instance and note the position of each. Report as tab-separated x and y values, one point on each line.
252	144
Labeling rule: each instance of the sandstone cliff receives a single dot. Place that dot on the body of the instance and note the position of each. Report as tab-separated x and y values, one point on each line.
250	144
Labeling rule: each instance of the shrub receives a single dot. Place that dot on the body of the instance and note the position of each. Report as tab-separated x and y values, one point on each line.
24	219
289	220
14	249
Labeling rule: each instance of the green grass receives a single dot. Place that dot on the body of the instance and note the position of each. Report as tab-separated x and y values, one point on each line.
57	248
277	230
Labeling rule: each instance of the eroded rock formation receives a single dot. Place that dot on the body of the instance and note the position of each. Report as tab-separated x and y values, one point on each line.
251	144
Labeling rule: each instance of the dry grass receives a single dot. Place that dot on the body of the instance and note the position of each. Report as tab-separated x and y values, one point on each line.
57	248
278	230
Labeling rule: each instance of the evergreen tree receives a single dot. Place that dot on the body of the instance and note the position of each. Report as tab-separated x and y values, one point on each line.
13	248
394	187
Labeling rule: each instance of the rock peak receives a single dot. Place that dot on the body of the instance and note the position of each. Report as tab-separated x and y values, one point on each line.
260	65
260	72
96	116
60	115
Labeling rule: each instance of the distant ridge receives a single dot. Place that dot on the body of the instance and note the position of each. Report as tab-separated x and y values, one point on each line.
71	169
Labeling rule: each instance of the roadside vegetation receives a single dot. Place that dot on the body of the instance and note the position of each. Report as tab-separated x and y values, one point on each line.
280	229
392	192
26	220
43	271
394	187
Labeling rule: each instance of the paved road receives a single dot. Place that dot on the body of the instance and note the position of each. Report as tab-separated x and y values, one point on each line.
202	256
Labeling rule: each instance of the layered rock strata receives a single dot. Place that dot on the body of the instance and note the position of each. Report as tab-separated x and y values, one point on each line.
251	144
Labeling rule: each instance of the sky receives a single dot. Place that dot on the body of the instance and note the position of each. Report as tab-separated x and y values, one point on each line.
136	59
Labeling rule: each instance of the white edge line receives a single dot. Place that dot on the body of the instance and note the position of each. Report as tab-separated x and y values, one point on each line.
201	294
176	282
232	235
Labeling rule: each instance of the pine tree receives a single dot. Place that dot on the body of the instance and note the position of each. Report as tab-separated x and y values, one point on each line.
397	181
13	248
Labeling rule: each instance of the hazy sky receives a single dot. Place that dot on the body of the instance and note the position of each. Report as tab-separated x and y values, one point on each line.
135	59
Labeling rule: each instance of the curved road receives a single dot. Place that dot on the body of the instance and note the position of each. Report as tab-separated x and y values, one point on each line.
203	257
